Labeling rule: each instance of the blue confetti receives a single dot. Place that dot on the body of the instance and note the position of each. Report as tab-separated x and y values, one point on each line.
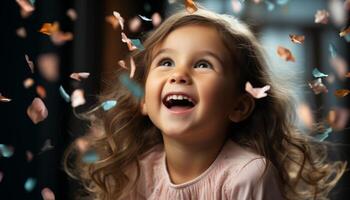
282	2
5	151
270	5
90	157
64	94
109	104
29	185
322	136
145	18
138	44
131	85
317	74
332	51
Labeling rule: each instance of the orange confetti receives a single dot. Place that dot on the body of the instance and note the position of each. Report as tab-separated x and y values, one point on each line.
47	194
28	82
341	92
49	28
298	39
40	90
190	6
4	99
37	111
285	54
344	32
321	17
80	75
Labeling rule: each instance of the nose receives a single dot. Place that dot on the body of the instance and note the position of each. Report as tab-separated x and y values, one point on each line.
180	77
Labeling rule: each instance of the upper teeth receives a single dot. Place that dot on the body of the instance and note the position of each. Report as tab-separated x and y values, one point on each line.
178	97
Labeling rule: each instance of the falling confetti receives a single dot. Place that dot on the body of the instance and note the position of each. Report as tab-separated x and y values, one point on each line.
256	92
156	19
29	156
64	94
332	50
60	38
298	39
190	6
132	67
21	32
341	92
28	82
269	5
90	157
78	98
6	151
131	85
49	28
48	66
134	24
72	14
145	18
138	44
119	20
344	32
82	144
80	75
122	64
285	54
40	90
30	63
109	104
322	136
26	7
126	40
4	99
317	74
282	2
37	111
317	86
47	194
47	146
29	185
321	17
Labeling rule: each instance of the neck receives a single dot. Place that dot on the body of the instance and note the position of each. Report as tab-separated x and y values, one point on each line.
185	162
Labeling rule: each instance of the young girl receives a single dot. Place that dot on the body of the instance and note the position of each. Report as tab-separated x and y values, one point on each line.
197	133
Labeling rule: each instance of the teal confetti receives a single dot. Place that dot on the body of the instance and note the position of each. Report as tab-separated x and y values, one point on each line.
317	74
109	104
145	18
64	94
138	44
322	136
131	85
332	50
29	185
90	157
270	5
282	2
5	151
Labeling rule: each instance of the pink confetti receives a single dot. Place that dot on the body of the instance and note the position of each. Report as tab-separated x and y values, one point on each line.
156	19
77	98
28	82
30	63
82	144
4	99
72	14
26	7
134	24
48	66
122	64
132	67
257	92
79	75
47	194
126	40
59	37
119	18
321	17
21	32
37	111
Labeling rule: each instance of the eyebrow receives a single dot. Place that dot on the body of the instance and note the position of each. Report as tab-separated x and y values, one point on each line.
201	52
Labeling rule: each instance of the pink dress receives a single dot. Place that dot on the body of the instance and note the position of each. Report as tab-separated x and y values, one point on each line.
233	175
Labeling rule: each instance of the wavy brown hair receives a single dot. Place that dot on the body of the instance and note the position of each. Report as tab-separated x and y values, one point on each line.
304	170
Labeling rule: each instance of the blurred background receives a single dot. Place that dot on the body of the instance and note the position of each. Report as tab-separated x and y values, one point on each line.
37	60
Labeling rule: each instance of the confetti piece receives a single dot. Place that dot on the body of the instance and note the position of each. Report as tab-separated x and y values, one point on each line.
317	74
344	32
29	185
341	92
138	44
90	157
49	28
47	194
29	156
37	111
321	17
78	98
28	82
269	5
64	94
134	24
47	146
82	144
21	32
322	136
48	66
4	99
109	104
72	14
79	75
156	19
40	90
190	6
132	67
145	18
285	54
126	40
317	86
236	6
26	7
119	18
122	64
298	39
131	85
30	63
332	50
6	151
60	38
256	92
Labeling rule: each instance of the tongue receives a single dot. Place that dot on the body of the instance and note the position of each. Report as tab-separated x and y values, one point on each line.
180	108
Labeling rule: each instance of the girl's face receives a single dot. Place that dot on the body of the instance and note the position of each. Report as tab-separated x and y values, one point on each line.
189	90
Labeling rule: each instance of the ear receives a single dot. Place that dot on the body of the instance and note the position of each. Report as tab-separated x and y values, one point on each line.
143	107
243	108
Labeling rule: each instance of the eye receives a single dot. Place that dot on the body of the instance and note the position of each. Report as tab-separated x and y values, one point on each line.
166	63
203	64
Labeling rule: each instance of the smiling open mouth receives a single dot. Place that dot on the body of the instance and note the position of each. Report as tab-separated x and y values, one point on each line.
178	102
